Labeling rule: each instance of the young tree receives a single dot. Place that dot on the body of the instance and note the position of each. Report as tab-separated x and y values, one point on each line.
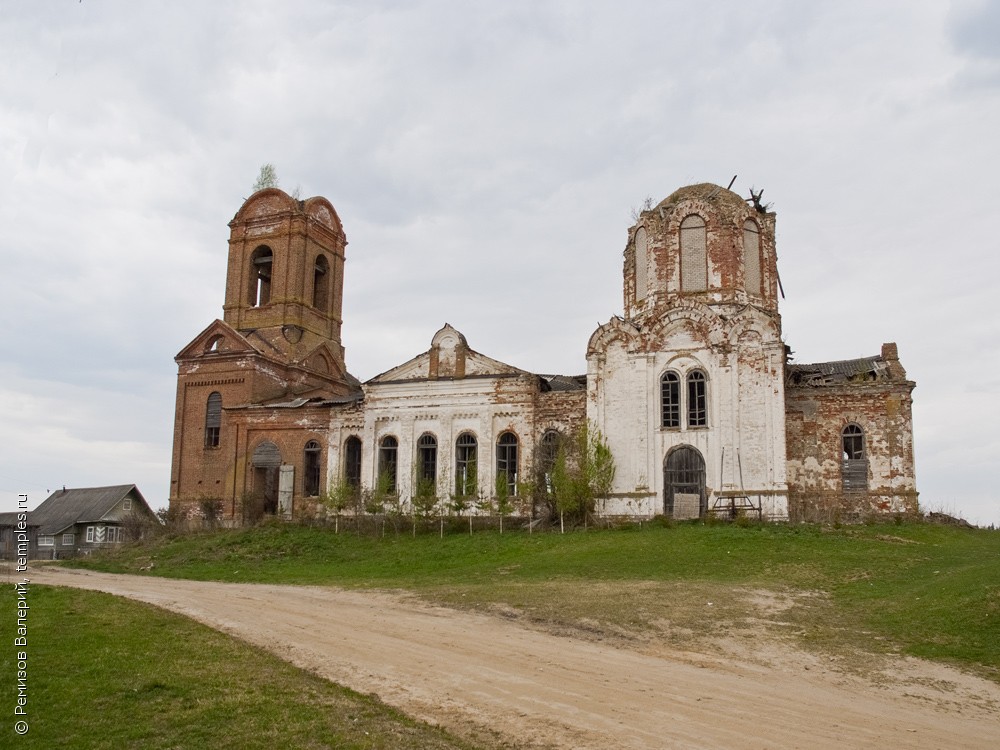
268	177
424	501
501	498
339	496
584	471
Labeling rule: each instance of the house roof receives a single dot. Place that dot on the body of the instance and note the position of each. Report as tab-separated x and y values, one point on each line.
10	519
66	507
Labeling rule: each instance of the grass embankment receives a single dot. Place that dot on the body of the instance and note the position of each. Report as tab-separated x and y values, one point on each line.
920	589
105	672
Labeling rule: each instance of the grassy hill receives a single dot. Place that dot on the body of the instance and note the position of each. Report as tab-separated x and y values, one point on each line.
919	589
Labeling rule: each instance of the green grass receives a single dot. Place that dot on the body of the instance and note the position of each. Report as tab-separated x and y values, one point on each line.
106	672
921	589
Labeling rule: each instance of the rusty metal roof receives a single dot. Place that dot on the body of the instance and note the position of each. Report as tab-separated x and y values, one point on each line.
565	382
826	373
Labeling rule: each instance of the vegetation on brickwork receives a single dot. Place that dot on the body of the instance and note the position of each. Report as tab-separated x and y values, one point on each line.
922	589
106	672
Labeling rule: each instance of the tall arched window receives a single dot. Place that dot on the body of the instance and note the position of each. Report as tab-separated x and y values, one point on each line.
352	461
697	399
310	478
545	458
321	284
694	259
507	461
670	400
260	276
465	465
427	455
751	257
854	468
641	264
387	462
213	420
684	493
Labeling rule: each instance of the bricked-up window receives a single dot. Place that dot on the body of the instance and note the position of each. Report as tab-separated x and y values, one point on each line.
321	284
641	264
465	464
670	400
507	461
855	459
427	457
310	477
694	259
213	420
352	461
751	257
260	276
697	395
388	451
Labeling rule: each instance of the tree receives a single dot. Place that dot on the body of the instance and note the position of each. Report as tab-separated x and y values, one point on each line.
424	500
268	177
339	496
584	471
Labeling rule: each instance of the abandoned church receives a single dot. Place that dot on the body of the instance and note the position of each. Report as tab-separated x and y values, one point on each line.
691	387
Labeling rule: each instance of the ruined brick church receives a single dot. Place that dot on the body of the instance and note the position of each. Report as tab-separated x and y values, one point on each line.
691	387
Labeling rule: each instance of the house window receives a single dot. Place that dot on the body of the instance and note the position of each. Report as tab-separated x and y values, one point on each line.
751	257
117	534
465	465
427	453
352	461
387	454
260	276
507	461
321	284
90	535
67	539
127	504
670	400
694	259
697	406
854	466
46	541
311	474
213	420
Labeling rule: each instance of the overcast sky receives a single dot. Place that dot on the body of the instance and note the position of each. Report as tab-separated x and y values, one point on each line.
484	159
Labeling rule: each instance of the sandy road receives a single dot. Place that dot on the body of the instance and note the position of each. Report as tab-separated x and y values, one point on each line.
543	690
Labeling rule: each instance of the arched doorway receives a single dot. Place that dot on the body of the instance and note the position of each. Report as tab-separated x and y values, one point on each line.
684	483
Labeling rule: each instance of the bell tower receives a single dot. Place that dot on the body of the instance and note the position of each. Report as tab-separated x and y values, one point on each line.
285	280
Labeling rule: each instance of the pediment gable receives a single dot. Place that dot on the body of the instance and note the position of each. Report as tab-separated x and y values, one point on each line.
218	338
448	358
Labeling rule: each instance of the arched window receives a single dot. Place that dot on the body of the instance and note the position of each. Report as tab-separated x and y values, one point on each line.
352	461
213	420
427	456
697	399
751	257
310	477
641	264
694	259
670	400
548	452
465	465
855	459
321	284
387	463
507	461
260	276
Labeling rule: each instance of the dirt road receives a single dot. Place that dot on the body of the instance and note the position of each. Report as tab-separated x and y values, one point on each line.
543	690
